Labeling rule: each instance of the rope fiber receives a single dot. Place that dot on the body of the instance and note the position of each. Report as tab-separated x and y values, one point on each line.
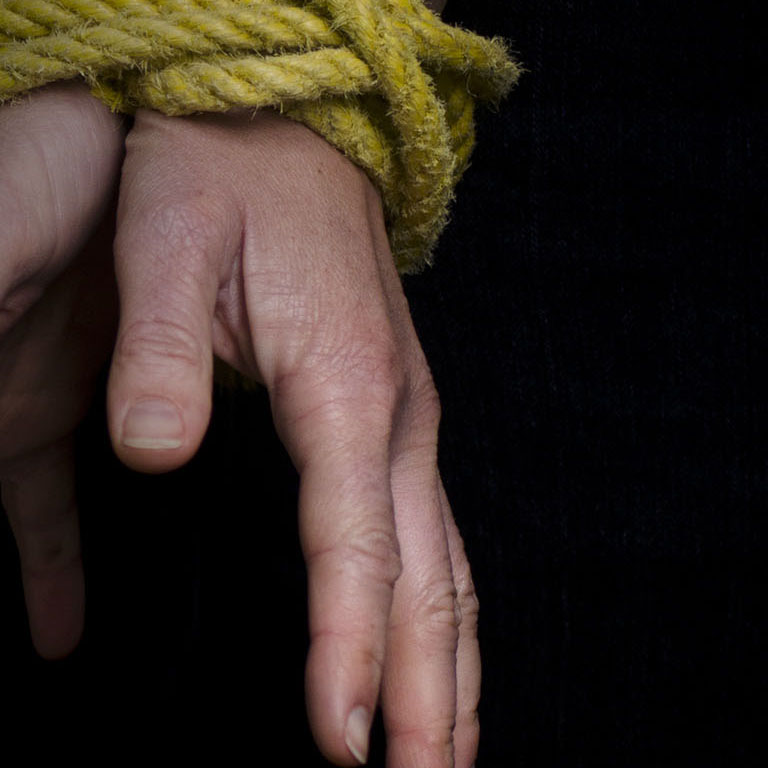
385	81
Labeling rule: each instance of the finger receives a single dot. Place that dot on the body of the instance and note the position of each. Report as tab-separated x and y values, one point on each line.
39	497
60	151
466	734
169	243
419	687
337	428
419	690
325	349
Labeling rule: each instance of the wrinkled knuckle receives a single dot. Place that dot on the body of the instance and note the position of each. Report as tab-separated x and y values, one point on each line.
437	615
360	375
375	554
468	602
468	717
441	740
430	743
159	343
359	648
437	741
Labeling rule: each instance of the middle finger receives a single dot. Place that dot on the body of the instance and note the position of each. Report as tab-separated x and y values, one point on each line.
419	685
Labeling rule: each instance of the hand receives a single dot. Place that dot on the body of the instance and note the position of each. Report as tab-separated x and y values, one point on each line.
251	238
59	156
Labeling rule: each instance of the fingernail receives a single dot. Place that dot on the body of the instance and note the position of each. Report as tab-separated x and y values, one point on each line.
154	423
356	734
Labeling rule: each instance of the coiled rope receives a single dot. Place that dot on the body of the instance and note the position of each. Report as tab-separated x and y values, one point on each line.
385	81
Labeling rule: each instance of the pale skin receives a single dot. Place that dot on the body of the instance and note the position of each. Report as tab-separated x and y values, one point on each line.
248	237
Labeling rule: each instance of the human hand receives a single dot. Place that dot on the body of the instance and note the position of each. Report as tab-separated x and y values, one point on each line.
252	238
60	151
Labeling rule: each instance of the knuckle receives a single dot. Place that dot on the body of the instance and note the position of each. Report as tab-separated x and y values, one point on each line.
468	716
375	551
359	647
436	615
159	342
363	376
468	602
372	553
439	739
432	741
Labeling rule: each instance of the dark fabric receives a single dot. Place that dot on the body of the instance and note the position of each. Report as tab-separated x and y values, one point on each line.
596	324
601	327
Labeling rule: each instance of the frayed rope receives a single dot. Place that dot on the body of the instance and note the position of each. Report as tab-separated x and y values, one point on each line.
385	81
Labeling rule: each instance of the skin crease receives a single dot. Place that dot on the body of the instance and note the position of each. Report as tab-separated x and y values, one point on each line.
212	256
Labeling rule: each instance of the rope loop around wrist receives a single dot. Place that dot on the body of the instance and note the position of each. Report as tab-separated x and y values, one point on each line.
385	81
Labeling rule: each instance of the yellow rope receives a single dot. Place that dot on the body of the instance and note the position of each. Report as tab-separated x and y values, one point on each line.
385	81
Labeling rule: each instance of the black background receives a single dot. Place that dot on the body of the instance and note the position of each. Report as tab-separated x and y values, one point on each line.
596	325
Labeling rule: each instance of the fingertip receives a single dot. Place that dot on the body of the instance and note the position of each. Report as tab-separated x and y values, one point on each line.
357	733
56	611
466	739
160	388
153	423
340	713
155	434
160	385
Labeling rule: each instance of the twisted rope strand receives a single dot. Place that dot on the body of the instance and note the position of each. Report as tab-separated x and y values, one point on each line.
385	81
256	82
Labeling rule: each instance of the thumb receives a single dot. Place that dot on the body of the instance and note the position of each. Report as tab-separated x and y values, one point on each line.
159	391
